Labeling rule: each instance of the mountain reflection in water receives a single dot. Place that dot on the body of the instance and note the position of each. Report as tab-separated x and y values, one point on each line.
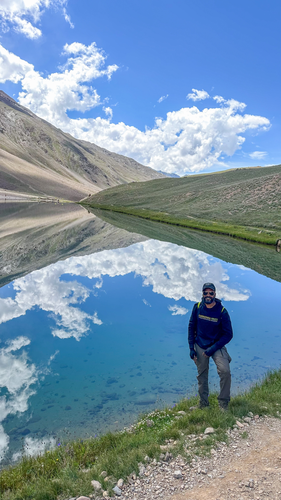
91	341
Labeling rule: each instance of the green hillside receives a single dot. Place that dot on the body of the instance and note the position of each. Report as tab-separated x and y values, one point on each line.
244	202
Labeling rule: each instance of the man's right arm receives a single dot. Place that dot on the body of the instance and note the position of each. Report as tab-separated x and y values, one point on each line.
192	331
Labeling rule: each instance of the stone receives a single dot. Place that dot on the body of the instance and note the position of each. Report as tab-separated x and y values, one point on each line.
103	473
141	471
209	430
105	494
96	485
248	420
83	498
120	483
117	491
239	424
181	412
178	474
163	447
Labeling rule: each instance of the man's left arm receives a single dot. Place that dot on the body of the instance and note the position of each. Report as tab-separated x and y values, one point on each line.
226	336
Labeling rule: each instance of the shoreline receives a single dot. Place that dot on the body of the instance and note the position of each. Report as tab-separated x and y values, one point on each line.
173	435
257	235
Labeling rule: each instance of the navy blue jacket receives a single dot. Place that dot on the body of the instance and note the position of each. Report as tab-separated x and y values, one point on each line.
209	328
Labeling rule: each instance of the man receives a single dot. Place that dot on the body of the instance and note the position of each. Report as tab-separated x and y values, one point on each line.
209	330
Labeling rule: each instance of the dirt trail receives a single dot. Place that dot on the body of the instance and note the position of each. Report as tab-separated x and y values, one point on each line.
256	474
248	468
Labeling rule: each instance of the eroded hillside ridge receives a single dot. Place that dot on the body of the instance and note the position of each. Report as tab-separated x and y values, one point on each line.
29	138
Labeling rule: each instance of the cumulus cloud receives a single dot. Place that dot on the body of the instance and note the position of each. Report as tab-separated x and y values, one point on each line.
163	98
21	15
178	310
198	95
258	155
17	375
44	289
170	270
186	140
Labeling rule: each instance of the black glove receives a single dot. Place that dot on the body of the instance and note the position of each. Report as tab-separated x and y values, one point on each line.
192	353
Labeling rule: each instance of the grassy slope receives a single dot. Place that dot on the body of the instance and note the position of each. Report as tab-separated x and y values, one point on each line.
244	202
68	470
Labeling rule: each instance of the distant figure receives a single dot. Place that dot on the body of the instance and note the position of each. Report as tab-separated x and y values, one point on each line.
278	245
209	330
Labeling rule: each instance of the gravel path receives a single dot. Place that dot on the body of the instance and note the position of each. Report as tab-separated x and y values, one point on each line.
248	468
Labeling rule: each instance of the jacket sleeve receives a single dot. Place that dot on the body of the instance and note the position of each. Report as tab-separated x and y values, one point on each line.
226	334
192	327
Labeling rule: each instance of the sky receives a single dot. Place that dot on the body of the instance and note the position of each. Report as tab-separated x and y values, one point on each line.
183	87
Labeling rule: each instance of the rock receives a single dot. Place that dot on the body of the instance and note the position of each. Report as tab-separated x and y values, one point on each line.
117	491
83	498
120	483
149	423
240	425
103	473
193	408
141	471
96	485
209	430
178	474
248	420
181	412
163	447
105	494
147	459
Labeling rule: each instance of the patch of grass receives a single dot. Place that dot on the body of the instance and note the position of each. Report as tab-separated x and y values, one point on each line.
255	234
68	470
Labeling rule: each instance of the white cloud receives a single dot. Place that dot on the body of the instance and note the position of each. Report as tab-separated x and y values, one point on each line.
44	289
187	140
258	155
178	310
163	98
219	99
17	375
198	95
33	447
146	303
21	15
172	271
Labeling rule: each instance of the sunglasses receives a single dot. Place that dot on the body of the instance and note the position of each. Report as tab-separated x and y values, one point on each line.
209	293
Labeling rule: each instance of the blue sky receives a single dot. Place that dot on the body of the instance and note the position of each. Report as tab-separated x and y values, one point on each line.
180	86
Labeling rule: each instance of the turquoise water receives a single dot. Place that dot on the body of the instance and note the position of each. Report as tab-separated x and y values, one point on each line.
90	342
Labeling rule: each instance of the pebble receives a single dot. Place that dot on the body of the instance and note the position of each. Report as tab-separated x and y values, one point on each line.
178	474
209	430
117	491
103	473
120	483
96	485
239	424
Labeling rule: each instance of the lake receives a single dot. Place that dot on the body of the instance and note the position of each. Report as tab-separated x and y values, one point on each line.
94	316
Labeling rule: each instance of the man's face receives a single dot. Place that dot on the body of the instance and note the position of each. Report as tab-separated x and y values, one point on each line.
209	295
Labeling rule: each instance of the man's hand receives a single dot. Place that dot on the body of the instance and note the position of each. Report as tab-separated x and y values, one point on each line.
193	355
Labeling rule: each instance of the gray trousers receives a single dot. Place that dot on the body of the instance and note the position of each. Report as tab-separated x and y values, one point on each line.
222	360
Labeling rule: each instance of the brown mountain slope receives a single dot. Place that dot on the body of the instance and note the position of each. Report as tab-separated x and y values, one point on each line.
38	158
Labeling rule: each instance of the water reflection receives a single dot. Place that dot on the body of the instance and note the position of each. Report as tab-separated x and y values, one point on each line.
91	341
172	271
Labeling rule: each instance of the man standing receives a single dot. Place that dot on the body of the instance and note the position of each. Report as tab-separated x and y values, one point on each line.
209	330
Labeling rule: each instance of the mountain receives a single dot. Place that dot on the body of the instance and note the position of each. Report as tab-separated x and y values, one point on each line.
34	235
39	159
244	202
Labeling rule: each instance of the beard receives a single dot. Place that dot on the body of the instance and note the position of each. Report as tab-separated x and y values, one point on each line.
208	299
